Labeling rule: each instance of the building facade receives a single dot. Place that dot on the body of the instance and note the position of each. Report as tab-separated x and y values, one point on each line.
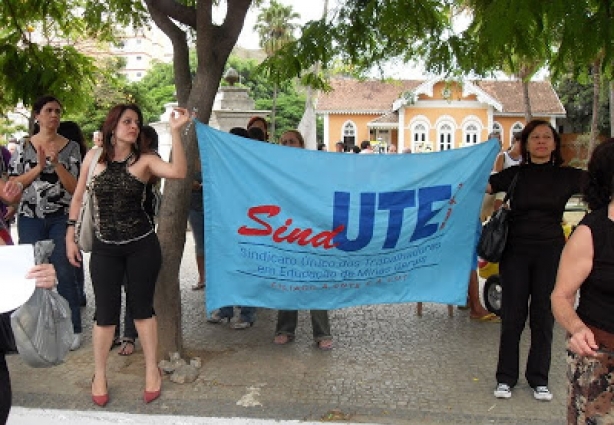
430	115
140	48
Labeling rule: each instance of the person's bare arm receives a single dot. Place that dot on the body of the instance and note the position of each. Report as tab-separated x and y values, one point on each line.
177	168
574	267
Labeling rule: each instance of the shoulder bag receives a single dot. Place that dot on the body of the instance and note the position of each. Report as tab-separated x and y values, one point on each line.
494	232
84	229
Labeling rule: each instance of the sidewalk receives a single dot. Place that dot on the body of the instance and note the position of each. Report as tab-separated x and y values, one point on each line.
388	367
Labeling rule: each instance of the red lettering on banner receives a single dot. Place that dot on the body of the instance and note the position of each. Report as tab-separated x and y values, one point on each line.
270	210
297	235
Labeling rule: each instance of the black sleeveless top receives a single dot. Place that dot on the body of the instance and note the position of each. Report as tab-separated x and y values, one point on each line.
597	292
119	214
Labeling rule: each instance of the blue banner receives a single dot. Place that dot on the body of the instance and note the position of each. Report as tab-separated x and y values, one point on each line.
288	228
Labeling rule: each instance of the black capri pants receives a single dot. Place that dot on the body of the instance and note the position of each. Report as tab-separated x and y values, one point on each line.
140	263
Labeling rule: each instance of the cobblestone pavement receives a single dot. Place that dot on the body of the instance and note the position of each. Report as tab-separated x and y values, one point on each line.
388	366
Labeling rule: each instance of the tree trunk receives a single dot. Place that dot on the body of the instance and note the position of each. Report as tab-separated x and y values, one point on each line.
213	46
528	114
273	107
596	95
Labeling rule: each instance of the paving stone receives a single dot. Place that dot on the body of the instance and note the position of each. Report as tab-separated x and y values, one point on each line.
388	366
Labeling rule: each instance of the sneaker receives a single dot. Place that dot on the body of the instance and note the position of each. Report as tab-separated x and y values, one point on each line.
503	391
542	393
76	342
216	317
240	324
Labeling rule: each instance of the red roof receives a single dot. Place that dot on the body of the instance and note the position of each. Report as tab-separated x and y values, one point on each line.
377	96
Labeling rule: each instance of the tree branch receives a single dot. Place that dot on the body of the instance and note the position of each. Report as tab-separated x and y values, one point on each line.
175	10
181	53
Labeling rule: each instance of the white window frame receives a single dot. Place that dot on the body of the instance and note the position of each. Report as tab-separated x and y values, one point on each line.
471	133
518	126
349	129
498	128
419	134
445	139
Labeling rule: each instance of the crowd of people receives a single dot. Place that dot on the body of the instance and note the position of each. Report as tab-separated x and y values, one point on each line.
47	175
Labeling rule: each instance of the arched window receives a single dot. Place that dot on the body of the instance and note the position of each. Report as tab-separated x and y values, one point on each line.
419	131
349	134
498	128
445	136
470	134
516	127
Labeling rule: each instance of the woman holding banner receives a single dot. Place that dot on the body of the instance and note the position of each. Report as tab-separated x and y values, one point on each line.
125	238
529	263
287	319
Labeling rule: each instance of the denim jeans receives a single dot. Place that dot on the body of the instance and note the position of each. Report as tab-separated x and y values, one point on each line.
248	314
32	230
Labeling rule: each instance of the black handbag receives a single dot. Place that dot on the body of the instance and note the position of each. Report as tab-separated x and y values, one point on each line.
494	232
7	339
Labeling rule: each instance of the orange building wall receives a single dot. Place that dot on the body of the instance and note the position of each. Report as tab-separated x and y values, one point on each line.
458	115
336	122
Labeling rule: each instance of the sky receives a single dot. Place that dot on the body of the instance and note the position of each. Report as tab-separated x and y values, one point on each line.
308	9
312	10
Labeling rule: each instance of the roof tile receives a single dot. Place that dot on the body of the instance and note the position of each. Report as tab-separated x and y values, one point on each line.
377	96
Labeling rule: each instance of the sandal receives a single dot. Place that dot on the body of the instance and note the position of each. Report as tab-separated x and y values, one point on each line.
325	344
127	348
117	341
489	317
283	339
198	286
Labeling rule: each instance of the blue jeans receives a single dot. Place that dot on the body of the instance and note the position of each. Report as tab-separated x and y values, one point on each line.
32	230
248	314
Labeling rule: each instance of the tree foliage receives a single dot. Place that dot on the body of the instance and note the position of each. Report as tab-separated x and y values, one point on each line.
365	34
39	51
110	88
577	98
275	26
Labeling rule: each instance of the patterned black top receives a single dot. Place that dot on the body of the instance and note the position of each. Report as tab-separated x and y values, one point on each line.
46	195
119	213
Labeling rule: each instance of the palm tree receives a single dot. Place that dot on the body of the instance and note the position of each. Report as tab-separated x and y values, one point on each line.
275	28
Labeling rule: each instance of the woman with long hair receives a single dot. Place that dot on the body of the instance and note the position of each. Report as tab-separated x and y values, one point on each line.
47	167
126	244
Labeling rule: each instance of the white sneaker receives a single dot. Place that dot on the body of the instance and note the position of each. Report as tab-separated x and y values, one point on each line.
76	342
542	393
503	391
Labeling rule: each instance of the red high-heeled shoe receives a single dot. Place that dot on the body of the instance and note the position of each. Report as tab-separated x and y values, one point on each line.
100	400
149	396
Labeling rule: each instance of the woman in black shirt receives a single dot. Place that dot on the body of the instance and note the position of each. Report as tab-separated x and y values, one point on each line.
531	256
587	265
